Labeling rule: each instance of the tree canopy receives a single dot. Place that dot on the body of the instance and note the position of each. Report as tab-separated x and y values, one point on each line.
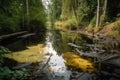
16	15
86	12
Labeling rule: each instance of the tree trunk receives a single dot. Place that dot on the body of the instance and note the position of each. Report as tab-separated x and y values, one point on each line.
105	7
98	13
102	18
27	12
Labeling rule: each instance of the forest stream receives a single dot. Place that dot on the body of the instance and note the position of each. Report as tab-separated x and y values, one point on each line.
59	39
59	60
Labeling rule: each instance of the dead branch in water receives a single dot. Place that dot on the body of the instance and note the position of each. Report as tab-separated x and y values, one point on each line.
94	55
21	66
74	45
43	67
108	58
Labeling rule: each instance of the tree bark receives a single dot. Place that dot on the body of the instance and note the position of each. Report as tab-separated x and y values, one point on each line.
98	13
102	18
105	8
27	11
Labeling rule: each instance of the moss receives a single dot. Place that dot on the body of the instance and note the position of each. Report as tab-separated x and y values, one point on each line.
78	62
32	54
66	25
96	29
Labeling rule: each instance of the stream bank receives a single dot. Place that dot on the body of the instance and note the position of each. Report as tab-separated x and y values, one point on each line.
53	65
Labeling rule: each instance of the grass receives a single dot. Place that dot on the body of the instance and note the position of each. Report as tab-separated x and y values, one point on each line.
66	25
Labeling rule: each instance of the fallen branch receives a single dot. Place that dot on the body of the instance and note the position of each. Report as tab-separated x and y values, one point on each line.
94	55
21	66
12	34
108	58
44	65
74	45
81	75
94	45
26	35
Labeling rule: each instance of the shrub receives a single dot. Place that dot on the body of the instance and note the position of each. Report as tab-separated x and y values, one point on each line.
3	50
34	26
7	74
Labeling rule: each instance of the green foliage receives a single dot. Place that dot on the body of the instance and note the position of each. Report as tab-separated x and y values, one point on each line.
83	12
113	10
13	14
36	24
36	17
54	10
37	11
86	11
80	12
118	16
92	24
72	24
3	50
56	7
7	74
69	10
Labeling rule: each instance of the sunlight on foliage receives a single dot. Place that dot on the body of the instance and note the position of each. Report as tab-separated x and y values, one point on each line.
70	24
78	62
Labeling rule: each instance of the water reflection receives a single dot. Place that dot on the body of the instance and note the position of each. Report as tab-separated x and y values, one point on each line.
56	45
18	44
56	40
61	39
27	49
57	65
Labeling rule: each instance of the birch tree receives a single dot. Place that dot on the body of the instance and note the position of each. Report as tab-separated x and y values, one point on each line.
102	18
27	11
98	13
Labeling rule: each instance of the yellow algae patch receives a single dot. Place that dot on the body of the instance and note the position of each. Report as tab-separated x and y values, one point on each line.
78	62
32	54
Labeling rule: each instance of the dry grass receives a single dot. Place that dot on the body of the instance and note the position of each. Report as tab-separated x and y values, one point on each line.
111	29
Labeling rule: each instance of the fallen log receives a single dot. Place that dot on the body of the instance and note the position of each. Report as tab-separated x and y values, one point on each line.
115	51
93	45
26	35
110	74
81	74
110	57
12	34
21	66
92	54
113	62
